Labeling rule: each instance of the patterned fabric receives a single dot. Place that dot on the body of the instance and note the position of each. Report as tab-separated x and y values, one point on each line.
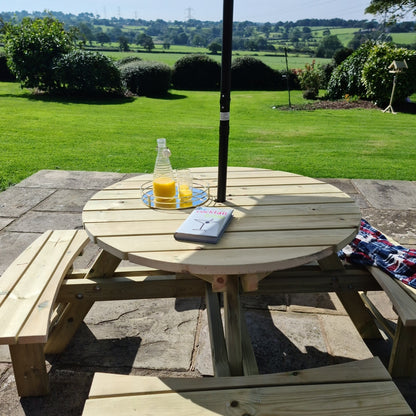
371	248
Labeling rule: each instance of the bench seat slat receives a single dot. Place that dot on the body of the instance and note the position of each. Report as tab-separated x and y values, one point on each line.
24	297
370	399
105	384
36	327
13	273
405	305
355	388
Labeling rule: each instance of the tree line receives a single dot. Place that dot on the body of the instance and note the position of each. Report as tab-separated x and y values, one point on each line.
297	36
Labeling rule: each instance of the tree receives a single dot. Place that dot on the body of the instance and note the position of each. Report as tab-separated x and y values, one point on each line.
395	9
214	47
32	47
123	44
328	46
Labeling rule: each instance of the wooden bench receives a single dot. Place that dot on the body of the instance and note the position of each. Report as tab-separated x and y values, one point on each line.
355	388
28	289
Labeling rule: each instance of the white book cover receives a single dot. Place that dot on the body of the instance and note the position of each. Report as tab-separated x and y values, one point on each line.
205	224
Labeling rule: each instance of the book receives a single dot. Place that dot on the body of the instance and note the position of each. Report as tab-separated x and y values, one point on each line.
205	224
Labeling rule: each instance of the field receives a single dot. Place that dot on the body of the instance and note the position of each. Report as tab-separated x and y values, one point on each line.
40	133
275	61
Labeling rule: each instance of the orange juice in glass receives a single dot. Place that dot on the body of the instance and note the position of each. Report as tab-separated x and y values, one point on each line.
164	190
184	179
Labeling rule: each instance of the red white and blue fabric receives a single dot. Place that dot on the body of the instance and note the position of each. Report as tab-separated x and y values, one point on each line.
371	248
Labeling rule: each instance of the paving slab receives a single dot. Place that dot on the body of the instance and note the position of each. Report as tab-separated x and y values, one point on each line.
63	179
66	200
390	195
12	244
150	333
39	222
16	201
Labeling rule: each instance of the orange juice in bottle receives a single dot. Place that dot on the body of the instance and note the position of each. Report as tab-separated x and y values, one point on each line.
164	188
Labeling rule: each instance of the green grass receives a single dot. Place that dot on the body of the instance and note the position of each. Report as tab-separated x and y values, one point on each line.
275	61
121	135
404	38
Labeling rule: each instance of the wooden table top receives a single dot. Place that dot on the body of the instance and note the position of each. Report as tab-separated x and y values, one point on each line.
281	220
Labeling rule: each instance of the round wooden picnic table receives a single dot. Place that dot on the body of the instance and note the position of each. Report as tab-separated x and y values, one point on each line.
281	220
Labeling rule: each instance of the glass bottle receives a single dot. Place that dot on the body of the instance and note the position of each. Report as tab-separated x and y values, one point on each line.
164	188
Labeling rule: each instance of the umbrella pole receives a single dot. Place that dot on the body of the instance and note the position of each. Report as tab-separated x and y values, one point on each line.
227	40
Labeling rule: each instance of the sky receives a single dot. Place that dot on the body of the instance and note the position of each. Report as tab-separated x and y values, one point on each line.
169	10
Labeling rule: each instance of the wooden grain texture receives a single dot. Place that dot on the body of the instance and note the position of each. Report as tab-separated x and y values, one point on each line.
401	299
26	309
280	220
356	388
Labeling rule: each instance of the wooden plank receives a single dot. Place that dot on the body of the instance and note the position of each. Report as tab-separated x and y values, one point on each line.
230	240
25	295
134	187
264	190
403	355
129	287
36	328
404	304
232	326
238	223
75	312
29	369
347	399
311	279
216	334
370	369
11	276
238	261
360	315
124	204
352	302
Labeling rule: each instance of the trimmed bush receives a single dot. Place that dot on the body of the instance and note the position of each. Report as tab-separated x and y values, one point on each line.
87	73
147	78
5	74
196	72
248	73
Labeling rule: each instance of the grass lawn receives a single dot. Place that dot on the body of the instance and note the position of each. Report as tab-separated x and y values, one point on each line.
121	135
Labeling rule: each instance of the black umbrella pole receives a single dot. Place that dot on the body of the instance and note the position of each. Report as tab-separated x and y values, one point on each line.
227	41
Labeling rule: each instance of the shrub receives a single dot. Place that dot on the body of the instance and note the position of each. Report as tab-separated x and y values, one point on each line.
5	74
146	78
196	72
365	74
87	73
346	77
248	73
377	79
31	48
310	80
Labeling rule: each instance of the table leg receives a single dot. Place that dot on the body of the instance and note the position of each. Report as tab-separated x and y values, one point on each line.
75	312
216	333
232	320
240	351
353	304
